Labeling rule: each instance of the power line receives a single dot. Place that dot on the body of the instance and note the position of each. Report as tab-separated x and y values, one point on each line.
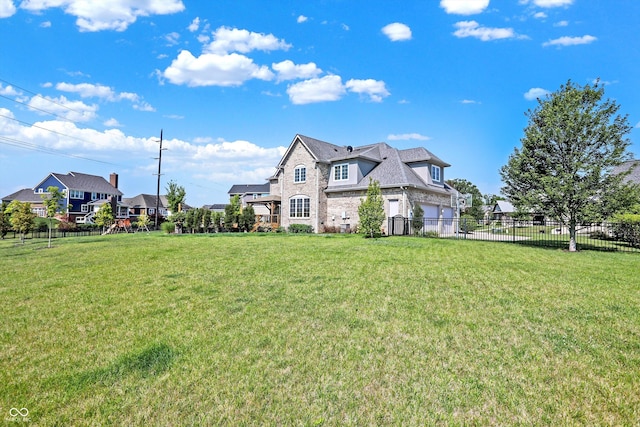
34	147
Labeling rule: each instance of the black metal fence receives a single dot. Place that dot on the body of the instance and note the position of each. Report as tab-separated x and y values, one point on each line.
602	236
55	233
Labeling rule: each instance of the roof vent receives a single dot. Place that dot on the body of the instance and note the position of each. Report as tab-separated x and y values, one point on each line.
349	148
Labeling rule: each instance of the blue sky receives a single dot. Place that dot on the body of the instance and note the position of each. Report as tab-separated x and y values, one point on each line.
88	88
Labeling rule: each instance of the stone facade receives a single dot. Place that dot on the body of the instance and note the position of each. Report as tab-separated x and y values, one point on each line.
333	204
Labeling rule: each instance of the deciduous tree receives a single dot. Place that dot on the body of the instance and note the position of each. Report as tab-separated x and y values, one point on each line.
572	142
22	218
175	196
52	202
104	217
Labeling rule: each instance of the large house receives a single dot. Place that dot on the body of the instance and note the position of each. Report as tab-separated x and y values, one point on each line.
84	194
322	184
147	204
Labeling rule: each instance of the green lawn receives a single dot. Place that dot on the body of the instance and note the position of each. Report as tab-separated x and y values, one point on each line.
316	330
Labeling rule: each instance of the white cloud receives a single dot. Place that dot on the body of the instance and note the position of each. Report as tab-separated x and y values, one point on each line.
88	90
535	93
76	111
105	93
552	3
172	38
540	15
464	7
112	15
8	91
301	19
113	123
469	101
46	24
328	88
407	137
287	70
144	106
397	32
570	41
195	25
473	29
561	24
7	8
374	89
212	69
227	40
638	125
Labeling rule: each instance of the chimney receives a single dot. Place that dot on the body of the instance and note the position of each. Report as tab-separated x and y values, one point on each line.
113	179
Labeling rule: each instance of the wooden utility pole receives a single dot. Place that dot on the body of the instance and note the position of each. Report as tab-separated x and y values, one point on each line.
158	189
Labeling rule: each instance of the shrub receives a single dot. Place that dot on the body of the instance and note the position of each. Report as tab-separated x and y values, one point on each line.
300	228
600	235
626	227
168	227
431	234
468	223
330	229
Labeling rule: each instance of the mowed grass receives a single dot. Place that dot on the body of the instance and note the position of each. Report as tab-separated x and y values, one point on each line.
316	330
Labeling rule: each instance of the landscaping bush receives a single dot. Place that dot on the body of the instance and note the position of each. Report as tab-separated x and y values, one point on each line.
431	234
626	227
168	227
300	228
468	223
331	229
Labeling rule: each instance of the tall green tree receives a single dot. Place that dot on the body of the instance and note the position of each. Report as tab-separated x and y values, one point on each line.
232	212
467	187
22	218
176	195
104	217
247	218
371	210
573	140
5	225
52	201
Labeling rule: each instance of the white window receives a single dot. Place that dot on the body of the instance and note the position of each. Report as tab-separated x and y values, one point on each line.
151	211
84	208
435	173
341	172
300	174
299	207
76	194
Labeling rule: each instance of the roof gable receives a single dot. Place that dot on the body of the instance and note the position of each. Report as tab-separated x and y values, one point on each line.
83	182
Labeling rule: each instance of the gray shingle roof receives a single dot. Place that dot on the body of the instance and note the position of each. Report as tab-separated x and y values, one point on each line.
85	182
634	175
145	201
250	188
24	195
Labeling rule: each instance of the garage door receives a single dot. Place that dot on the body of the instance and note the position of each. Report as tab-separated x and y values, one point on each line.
430	217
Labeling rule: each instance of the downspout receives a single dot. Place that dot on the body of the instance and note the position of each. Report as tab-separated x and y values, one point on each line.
317	229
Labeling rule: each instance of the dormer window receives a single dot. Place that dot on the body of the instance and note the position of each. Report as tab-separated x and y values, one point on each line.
300	174
341	172
436	172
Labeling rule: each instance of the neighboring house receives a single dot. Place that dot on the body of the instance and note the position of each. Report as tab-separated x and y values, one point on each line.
503	210
634	175
249	193
84	194
322	184
147	204
29	196
216	207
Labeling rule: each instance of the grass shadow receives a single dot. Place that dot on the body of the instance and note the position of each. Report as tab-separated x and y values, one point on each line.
151	361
